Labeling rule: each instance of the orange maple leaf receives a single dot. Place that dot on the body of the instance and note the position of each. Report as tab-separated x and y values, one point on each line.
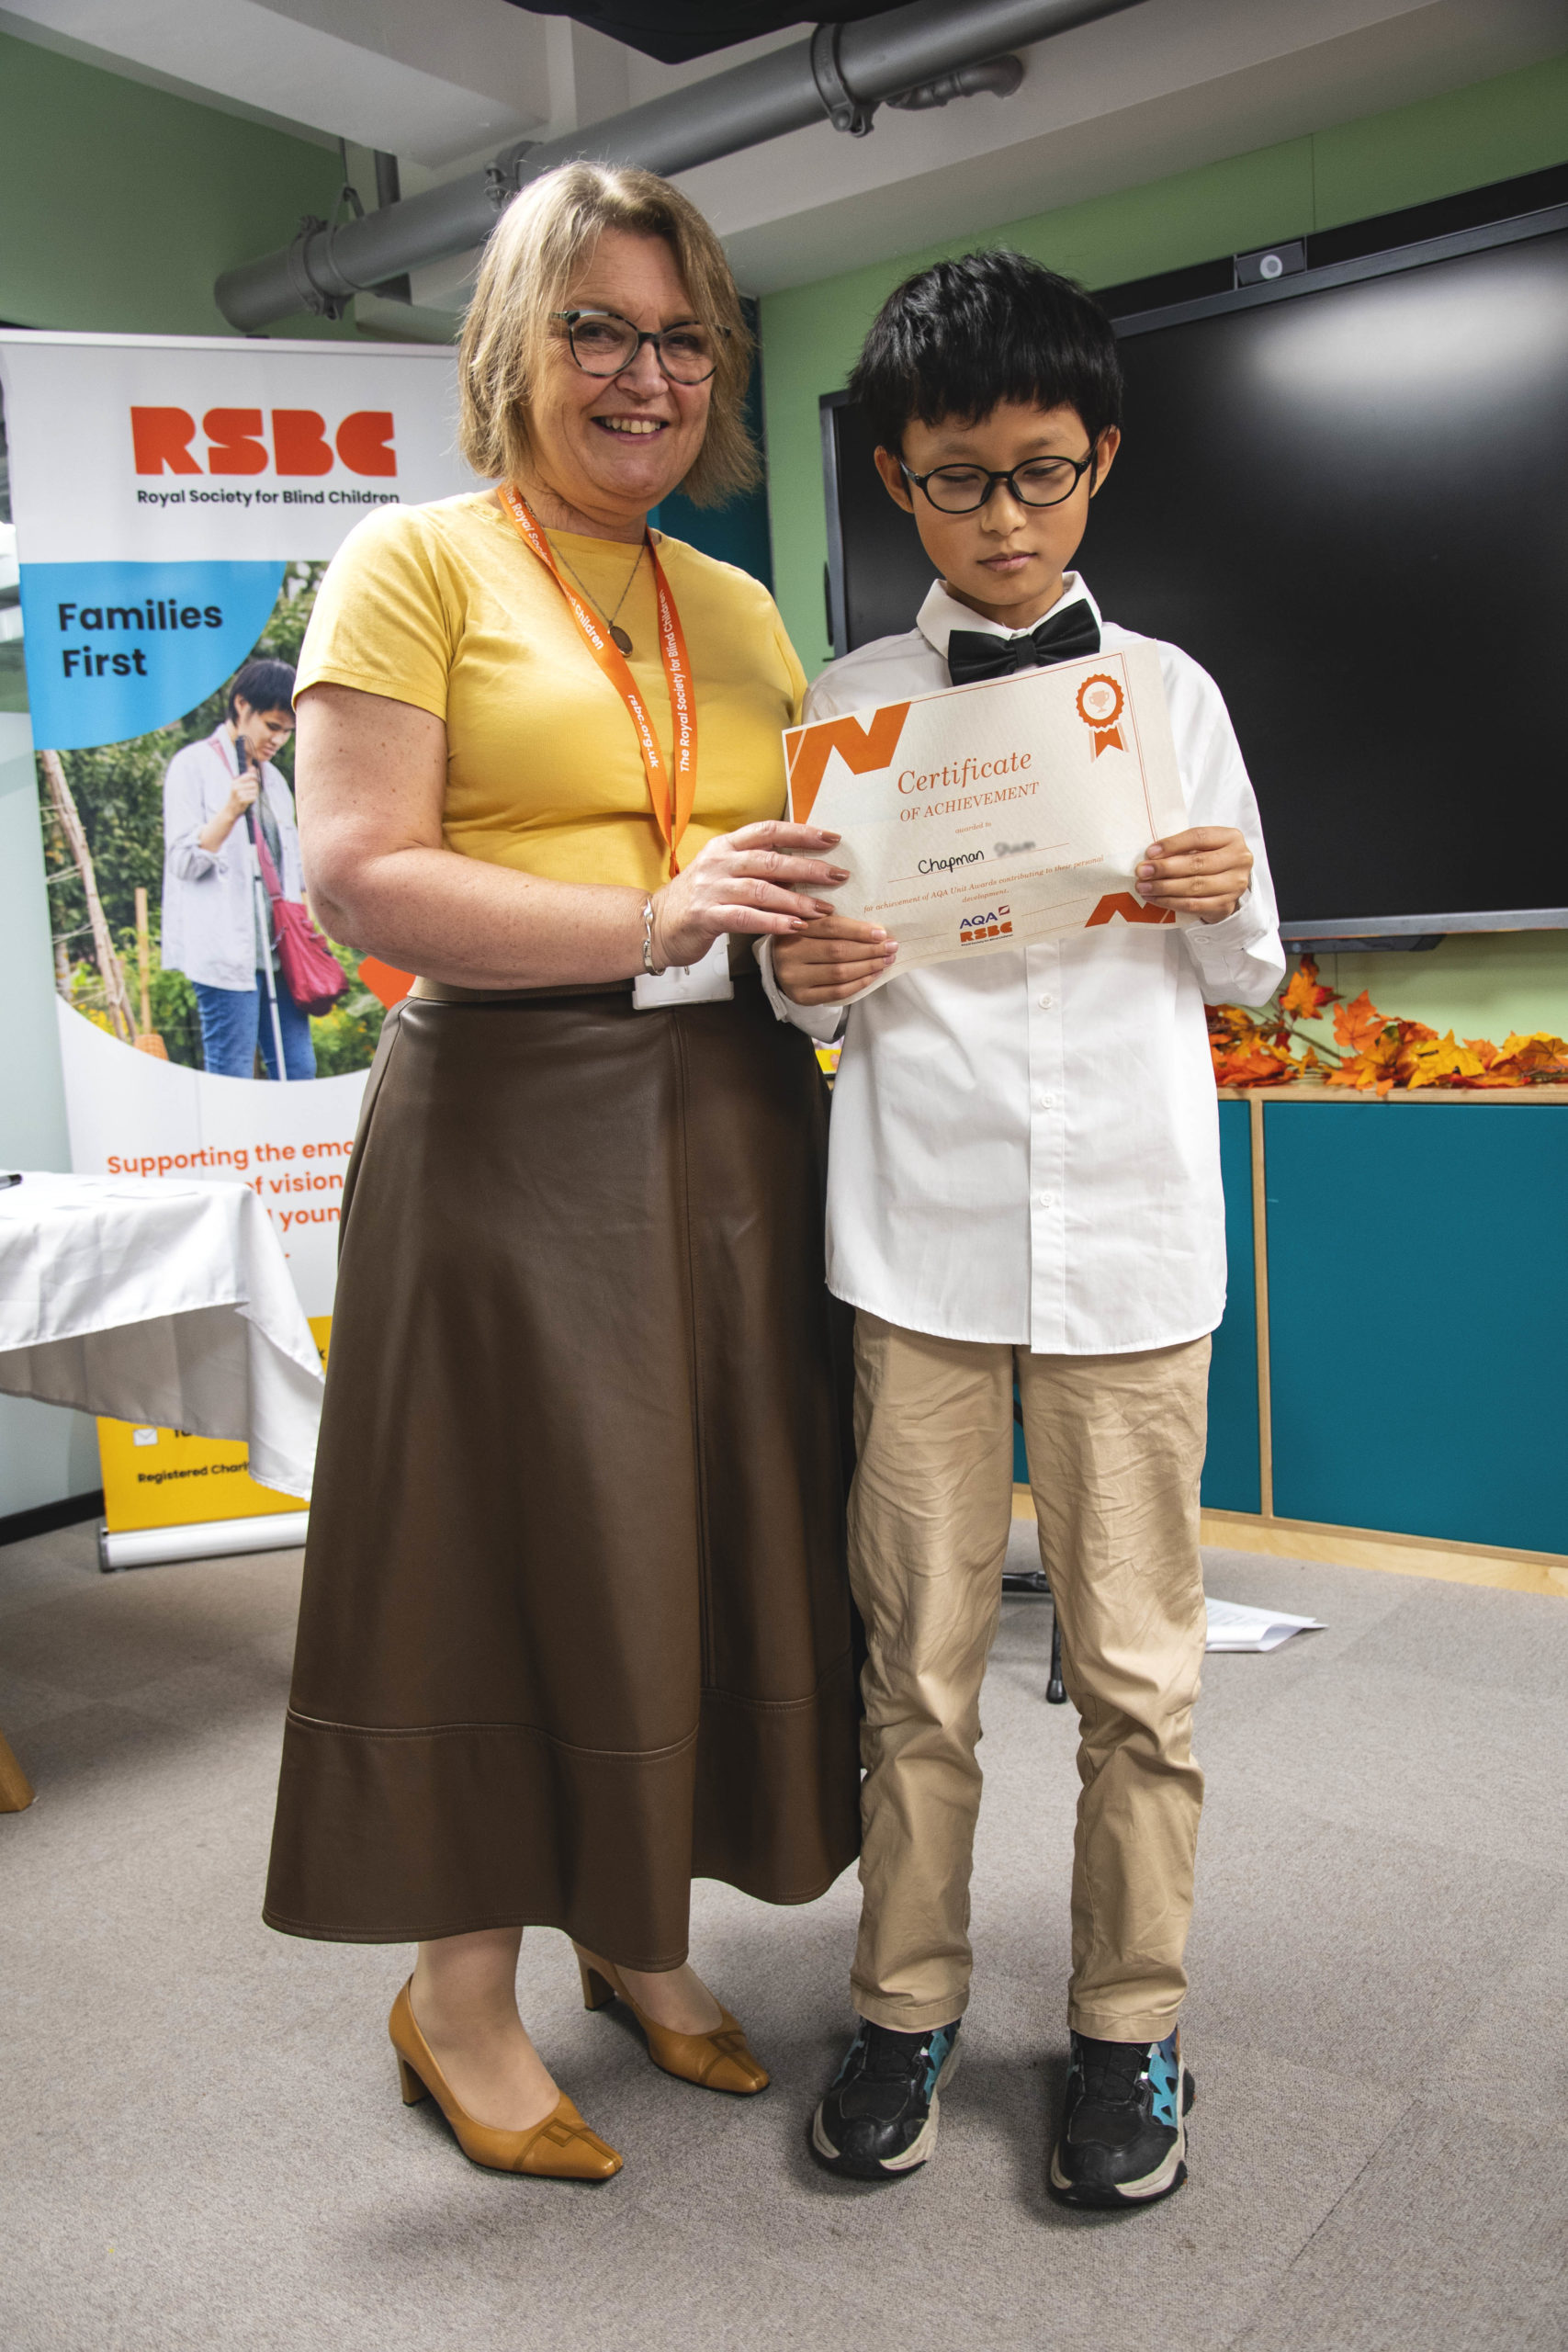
1523	1059
1378	1051
1436	1061
1358	1026
1377	1064
1304	996
1230	1025
1257	1067
1361	1073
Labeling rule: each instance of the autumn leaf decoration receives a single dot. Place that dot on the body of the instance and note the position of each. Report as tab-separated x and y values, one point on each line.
1371	1052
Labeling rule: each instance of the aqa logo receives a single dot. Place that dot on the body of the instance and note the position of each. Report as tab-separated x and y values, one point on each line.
995	925
237	442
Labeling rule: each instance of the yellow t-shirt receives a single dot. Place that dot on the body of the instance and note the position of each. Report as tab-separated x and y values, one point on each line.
444	607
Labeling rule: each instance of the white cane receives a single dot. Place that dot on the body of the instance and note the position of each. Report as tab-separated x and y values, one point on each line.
264	906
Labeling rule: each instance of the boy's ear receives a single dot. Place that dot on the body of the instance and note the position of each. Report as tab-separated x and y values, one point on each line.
1105	453
892	473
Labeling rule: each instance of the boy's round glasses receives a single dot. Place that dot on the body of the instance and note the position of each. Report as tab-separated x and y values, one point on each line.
964	489
603	343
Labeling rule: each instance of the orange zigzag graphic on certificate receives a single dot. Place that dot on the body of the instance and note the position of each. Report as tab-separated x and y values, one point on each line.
861	749
1130	910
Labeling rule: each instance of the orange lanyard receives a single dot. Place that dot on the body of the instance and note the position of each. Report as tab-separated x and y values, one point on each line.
671	799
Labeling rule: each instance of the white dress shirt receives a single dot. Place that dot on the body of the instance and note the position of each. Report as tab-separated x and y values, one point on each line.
1025	1146
209	894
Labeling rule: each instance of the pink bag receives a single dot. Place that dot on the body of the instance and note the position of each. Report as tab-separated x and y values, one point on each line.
311	973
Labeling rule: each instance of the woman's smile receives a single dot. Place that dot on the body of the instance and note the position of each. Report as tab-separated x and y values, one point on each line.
634	426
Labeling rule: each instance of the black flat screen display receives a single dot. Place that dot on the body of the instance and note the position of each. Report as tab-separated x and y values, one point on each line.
1352	506
884	569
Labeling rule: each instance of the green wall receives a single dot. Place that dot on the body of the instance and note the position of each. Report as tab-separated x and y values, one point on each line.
1349	171
120	204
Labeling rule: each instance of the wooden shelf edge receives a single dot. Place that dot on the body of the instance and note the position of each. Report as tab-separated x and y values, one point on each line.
1401	1556
1367	1547
1297	1092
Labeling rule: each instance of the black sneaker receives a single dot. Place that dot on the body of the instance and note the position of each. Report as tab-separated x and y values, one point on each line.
1124	2135
879	2118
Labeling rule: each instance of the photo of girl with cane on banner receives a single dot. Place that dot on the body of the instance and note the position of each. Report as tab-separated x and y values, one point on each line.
232	863
184	842
175	503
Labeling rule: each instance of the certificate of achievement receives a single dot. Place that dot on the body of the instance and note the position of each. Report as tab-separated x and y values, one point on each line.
997	813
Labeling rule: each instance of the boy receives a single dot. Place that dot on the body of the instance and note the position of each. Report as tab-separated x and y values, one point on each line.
1024	1184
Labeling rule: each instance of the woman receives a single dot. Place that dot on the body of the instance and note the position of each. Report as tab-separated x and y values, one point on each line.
216	925
574	1626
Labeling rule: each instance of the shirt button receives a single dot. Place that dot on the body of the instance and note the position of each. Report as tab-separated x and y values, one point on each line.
1046	1003
1046	1199
1047	1102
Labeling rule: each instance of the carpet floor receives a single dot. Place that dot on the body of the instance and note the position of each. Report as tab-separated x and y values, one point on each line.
202	2146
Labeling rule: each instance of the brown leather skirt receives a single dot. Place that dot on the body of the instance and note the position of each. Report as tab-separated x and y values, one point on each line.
575	1626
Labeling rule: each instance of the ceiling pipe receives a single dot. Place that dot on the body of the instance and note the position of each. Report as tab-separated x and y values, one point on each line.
844	72
1000	76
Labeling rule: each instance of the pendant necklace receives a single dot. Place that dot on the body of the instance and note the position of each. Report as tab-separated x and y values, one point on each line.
617	633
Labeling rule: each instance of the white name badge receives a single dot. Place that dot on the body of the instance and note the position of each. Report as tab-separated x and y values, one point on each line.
705	983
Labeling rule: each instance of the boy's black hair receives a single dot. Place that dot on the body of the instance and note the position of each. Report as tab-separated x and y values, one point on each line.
962	337
264	685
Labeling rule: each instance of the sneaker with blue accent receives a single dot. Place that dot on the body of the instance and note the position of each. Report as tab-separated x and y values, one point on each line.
1124	2135
879	2118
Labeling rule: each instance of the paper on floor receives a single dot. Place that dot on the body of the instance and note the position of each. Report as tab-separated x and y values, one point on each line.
1232	1627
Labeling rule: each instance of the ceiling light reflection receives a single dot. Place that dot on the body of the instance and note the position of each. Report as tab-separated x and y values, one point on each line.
1433	339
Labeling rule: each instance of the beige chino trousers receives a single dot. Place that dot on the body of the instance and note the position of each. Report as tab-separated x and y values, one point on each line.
1115	1450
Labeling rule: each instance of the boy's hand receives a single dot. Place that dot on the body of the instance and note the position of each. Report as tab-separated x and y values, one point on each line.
831	959
1200	873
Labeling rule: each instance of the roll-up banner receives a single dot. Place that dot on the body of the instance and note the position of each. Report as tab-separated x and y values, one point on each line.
175	502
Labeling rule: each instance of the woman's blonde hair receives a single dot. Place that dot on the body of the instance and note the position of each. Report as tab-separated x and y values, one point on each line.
537	249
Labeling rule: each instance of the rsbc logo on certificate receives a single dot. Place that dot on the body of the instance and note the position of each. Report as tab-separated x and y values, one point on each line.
990	815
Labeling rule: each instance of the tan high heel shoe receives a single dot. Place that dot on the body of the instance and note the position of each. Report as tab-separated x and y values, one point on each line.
561	2148
719	2060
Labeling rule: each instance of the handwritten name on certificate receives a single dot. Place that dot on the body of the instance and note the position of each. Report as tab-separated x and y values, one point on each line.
993	814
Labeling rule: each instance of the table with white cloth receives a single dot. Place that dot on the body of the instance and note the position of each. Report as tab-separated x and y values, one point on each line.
164	1300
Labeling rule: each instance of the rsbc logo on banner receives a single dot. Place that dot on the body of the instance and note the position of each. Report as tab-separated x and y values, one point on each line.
237	443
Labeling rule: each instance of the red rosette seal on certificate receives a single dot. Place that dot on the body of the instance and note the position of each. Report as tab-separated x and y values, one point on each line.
976	820
1099	704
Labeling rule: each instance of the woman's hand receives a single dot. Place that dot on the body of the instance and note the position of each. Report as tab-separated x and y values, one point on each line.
371	781
1200	873
243	791
752	880
831	960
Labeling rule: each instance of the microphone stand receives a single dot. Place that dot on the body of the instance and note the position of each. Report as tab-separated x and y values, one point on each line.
242	758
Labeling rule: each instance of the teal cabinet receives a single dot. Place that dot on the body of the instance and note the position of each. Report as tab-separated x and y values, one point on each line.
1232	1476
1417	1309
1418	1318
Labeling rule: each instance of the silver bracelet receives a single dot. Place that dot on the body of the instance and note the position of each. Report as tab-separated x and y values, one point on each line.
648	965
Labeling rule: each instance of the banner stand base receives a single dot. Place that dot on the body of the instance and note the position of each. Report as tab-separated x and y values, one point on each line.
212	1539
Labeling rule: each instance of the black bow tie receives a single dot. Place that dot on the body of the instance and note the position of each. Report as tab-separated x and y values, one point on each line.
1065	635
